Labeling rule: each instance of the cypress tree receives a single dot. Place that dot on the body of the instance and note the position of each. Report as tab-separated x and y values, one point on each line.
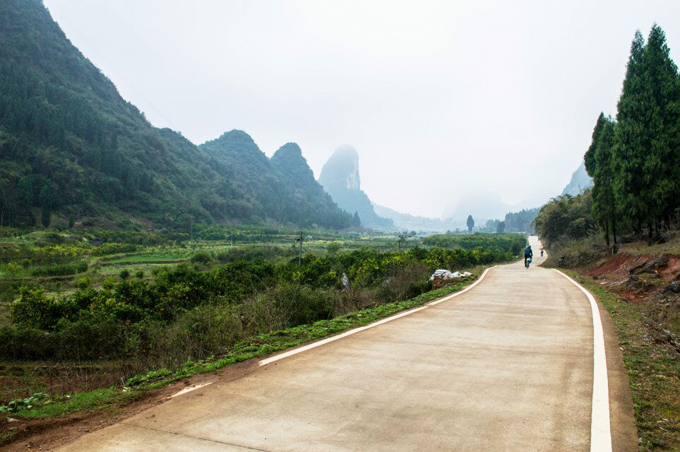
356	221
633	138
590	153
470	223
604	203
663	164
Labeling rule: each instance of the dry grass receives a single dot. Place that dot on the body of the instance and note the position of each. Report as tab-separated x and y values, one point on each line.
653	364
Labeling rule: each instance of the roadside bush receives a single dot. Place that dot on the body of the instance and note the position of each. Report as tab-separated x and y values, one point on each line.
355	300
302	304
260	314
195	335
404	283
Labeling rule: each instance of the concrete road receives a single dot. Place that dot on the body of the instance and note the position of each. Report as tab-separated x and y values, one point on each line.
507	366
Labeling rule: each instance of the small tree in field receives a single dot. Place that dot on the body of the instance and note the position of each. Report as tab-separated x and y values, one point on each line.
332	248
470	223
403	238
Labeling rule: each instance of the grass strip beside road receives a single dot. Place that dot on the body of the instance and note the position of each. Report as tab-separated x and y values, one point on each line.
653	369
255	347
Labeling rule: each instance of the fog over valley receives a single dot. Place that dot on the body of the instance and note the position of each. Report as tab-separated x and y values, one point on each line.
440	100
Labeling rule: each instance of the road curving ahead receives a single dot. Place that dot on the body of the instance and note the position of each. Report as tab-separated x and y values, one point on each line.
508	365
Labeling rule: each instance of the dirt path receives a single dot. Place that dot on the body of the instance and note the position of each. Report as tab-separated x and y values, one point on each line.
506	366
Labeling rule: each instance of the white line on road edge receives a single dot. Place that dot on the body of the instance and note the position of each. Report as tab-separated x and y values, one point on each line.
191	388
295	351
600	428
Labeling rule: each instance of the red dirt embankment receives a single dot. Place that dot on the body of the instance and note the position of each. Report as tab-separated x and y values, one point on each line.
638	276
623	265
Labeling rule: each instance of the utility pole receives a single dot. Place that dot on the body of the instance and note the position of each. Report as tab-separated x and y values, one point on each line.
300	240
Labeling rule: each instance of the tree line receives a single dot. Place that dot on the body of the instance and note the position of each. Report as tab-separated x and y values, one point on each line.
634	158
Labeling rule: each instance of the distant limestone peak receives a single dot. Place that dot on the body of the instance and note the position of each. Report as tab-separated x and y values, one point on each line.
342	169
580	181
340	178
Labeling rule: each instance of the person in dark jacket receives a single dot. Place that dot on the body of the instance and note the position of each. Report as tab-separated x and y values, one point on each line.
528	254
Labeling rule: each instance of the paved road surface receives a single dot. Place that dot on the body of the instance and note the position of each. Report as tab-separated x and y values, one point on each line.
507	366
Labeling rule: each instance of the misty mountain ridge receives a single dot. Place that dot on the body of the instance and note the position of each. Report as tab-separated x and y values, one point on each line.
405	221
71	145
580	181
340	178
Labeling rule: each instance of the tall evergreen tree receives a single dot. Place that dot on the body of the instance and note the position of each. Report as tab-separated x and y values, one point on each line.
590	153
635	118
470	223
604	202
663	164
356	221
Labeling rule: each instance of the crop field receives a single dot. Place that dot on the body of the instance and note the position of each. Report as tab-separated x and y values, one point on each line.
83	311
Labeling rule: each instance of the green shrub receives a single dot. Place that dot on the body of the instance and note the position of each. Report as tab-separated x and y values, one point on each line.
332	248
302	304
198	333
83	283
12	268
201	258
36	310
74	341
124	274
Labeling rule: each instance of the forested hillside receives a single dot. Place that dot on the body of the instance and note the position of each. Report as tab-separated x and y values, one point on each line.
282	188
70	145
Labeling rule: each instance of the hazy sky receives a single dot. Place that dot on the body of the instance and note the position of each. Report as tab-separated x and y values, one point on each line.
438	97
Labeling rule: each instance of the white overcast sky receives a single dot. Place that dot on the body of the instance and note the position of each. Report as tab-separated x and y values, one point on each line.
438	97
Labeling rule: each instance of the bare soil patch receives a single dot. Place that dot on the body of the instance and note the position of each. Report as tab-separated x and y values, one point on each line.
50	434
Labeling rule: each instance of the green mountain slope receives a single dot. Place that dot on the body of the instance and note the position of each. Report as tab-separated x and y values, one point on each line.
312	202
71	145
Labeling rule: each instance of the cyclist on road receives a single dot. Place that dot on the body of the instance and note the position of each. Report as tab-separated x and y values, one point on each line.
528	255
